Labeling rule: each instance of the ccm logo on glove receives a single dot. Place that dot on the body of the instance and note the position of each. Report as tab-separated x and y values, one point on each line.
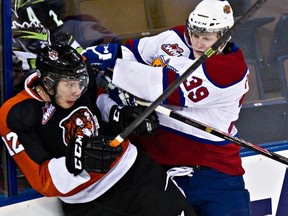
74	155
122	116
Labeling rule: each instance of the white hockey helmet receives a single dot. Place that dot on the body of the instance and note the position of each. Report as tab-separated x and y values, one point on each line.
211	16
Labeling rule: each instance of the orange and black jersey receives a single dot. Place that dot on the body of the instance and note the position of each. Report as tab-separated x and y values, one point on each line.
36	134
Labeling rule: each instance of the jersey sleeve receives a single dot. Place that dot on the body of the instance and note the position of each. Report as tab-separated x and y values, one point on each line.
141	80
203	87
148	83
143	54
34	162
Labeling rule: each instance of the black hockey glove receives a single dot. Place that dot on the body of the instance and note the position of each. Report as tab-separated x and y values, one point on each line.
99	155
122	116
74	154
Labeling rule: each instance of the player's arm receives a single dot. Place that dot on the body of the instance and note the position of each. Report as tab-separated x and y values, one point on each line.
41	170
144	49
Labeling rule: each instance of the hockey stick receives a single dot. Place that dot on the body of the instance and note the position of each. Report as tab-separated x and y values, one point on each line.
218	133
211	51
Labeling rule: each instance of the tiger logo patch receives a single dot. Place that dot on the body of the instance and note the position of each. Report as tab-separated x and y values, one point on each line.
79	123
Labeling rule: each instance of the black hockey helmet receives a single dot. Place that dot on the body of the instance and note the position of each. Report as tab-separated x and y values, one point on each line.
61	61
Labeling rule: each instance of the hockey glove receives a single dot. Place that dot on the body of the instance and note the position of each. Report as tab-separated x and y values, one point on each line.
74	154
122	116
99	155
103	57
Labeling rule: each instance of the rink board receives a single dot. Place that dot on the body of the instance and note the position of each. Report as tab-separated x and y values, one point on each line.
266	180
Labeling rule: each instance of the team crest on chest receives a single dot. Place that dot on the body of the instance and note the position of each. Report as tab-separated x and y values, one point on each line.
48	111
162	61
80	122
172	49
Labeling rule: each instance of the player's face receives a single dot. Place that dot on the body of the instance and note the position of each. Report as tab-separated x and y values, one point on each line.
67	92
201	42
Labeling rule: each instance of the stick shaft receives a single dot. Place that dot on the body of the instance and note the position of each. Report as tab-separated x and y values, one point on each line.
218	133
211	51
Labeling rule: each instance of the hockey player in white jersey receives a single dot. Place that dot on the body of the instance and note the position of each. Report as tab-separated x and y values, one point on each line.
213	94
